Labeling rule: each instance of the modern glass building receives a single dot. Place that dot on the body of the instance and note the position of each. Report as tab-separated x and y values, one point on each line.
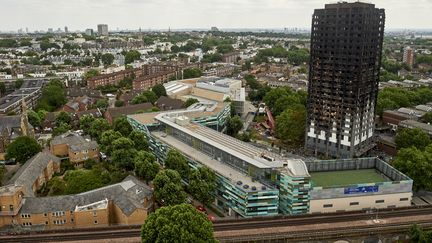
254	182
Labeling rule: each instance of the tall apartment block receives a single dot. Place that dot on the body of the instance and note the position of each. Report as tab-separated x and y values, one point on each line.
346	44
408	56
102	29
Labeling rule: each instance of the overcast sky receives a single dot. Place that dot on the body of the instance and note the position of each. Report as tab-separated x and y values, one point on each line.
158	14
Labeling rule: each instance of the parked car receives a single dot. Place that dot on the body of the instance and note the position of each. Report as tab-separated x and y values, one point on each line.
211	218
201	209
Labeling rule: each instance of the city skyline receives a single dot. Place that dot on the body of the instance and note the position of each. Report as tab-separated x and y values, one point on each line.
191	14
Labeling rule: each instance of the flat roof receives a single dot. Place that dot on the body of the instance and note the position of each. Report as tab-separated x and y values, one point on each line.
219	167
346	177
416	124
244	151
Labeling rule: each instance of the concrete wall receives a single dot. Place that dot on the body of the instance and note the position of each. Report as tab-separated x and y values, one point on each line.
360	202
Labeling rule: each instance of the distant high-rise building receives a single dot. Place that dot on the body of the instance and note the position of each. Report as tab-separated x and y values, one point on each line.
50	30
408	56
214	29
102	29
66	29
89	32
27	30
346	44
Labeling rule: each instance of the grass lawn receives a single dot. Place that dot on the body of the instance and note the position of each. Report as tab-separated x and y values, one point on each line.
345	177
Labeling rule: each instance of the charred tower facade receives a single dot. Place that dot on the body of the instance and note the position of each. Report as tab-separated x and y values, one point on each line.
346	44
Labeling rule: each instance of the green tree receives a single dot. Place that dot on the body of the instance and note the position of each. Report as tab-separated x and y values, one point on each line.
416	137
123	153
119	103
2	89
139	99
225	48
418	235
131	56
18	83
179	223
91	73
53	96
57	186
159	90
202	185
63	118
417	165
151	96
168	189
146	166
61	128
234	125
122	126
97	127
78	181
139	140
189	102
34	118
427	118
107	59
102	104
176	161
290	125
22	149
85	123
192	73
106	140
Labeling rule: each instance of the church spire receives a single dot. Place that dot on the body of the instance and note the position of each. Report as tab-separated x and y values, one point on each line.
25	127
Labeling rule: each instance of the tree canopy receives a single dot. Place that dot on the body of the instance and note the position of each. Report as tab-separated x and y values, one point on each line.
202	185
122	126
393	98
179	223
290	125
416	137
176	161
189	102
107	59
418	235
168	188
53	96
131	56
106	140
146	166
416	164
123	153
22	149
192	73
234	125
139	140
97	127
159	90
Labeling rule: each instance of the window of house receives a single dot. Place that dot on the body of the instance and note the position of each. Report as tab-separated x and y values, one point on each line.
95	222
403	199
354	203
94	213
379	201
328	205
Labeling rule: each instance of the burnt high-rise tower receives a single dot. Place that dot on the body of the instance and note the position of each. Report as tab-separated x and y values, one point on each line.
346	44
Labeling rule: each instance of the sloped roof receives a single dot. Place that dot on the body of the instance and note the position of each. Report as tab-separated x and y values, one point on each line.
30	171
128	195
